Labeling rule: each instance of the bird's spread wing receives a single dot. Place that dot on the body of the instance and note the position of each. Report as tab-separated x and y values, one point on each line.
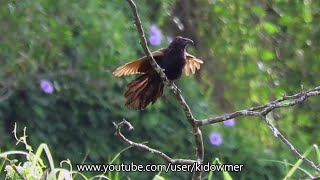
137	66
192	64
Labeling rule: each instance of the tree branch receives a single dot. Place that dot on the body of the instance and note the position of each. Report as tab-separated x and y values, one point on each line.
146	148
263	110
279	135
174	89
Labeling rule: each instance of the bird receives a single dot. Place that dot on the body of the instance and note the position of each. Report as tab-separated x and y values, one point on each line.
148	87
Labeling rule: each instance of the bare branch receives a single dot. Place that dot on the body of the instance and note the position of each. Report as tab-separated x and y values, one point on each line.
297	98
147	148
144	45
263	109
225	117
174	89
279	135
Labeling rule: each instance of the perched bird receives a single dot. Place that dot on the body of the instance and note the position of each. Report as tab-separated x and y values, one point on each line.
148	87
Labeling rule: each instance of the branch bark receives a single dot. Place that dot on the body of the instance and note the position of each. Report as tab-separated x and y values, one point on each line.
263	110
279	135
147	148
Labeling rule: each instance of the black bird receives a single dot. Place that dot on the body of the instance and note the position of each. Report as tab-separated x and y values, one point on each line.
149	87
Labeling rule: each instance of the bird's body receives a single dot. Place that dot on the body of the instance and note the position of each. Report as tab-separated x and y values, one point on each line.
149	87
173	62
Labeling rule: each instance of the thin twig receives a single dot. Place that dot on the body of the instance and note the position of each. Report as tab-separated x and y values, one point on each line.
147	148
226	117
279	135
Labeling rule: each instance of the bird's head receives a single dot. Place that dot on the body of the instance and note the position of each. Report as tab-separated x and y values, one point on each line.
180	42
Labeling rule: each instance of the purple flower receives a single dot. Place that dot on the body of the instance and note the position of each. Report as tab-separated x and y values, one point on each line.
155	35
230	122
46	86
170	39
215	138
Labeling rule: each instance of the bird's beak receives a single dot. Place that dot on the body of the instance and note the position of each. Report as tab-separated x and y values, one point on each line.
188	41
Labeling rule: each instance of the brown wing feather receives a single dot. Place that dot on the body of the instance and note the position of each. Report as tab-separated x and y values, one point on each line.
137	66
192	64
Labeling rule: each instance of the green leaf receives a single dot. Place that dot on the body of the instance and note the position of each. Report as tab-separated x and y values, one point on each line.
307	14
286	20
226	175
250	50
257	10
267	55
270	28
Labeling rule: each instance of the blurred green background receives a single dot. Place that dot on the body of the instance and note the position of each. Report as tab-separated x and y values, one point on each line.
254	52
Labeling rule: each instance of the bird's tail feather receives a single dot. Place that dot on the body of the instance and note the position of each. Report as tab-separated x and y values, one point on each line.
142	91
